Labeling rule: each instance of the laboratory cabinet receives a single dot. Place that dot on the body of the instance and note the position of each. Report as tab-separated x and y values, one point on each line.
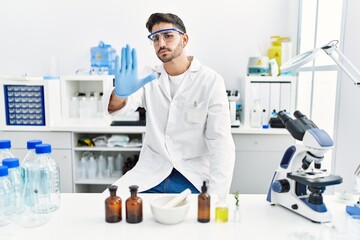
272	93
116	159
257	157
61	150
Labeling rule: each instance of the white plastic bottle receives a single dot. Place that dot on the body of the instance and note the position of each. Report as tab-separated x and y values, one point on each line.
264	119
119	162
48	184
5	146
74	107
7	197
101	166
111	166
92	168
16	180
255	114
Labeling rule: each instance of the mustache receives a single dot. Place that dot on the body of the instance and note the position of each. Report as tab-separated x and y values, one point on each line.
164	48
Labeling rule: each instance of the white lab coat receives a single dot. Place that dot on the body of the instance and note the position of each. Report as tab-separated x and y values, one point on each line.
190	132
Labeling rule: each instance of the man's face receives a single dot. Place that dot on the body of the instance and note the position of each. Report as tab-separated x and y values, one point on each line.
165	50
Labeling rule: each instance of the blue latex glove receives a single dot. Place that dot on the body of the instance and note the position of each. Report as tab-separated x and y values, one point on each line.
126	75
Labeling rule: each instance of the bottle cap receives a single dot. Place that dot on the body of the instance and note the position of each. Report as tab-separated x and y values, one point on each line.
32	143
5	144
4	171
43	148
133	188
113	188
11	162
204	187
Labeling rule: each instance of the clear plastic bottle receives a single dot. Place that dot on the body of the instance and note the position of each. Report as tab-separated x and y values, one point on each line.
221	209
113	206
30	155
48	184
134	212
31	173
16	180
5	146
203	205
7	197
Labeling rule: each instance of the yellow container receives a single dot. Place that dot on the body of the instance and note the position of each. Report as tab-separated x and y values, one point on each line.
275	51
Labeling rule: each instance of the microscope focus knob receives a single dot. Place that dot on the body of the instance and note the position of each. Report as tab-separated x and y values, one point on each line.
281	186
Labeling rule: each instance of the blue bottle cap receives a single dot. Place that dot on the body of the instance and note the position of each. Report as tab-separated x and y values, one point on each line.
11	162
5	144
4	171
32	143
43	148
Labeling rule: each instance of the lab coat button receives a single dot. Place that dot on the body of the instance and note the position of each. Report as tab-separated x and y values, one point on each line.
167	137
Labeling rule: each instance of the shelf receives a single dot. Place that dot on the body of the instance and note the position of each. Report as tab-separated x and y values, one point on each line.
107	149
97	181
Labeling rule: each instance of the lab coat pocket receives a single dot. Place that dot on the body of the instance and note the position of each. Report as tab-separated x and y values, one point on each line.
195	115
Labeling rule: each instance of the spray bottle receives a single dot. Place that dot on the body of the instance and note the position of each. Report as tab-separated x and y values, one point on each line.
276	51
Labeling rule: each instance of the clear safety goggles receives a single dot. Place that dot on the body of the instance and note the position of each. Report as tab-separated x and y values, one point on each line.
167	34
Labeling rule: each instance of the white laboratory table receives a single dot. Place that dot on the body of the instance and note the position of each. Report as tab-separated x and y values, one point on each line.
81	216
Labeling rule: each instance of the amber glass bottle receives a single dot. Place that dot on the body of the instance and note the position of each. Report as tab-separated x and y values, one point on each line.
134	212
113	206
204	205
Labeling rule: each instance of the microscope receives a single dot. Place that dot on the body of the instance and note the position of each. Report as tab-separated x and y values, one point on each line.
299	181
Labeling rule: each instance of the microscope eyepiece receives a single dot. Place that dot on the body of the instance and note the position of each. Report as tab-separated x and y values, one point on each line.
284	117
298	114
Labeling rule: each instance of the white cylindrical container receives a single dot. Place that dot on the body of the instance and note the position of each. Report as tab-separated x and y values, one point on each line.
92	105
91	168
111	166
74	107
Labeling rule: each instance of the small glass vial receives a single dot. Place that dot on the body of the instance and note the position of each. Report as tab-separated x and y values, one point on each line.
113	206
221	209
203	205
134	212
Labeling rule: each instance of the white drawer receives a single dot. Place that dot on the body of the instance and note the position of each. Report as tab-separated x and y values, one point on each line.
262	142
58	140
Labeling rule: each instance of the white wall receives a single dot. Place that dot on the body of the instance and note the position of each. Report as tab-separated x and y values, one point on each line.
347	143
223	34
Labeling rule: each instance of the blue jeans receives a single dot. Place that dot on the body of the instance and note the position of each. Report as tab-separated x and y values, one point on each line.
174	183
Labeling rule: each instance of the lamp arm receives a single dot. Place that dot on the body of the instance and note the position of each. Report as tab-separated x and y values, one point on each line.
329	51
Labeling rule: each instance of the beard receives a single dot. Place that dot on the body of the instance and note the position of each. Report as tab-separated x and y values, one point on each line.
166	54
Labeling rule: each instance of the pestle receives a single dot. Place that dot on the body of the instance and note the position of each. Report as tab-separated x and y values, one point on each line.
176	200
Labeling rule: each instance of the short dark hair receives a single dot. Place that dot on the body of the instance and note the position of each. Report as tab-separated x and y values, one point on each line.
157	18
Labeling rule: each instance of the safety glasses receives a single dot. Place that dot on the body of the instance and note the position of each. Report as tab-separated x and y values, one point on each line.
167	34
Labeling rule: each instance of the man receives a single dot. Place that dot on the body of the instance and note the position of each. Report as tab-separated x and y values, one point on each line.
188	131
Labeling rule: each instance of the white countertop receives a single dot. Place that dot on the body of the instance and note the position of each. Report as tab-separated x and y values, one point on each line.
81	216
101	127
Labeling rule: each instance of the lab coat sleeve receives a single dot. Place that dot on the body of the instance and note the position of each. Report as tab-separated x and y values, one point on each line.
133	102
219	140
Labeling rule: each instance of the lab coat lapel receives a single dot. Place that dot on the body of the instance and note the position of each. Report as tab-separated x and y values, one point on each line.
188	78
163	81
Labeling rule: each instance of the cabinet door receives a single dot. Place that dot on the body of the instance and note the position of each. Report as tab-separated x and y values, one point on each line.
257	158
253	171
63	160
